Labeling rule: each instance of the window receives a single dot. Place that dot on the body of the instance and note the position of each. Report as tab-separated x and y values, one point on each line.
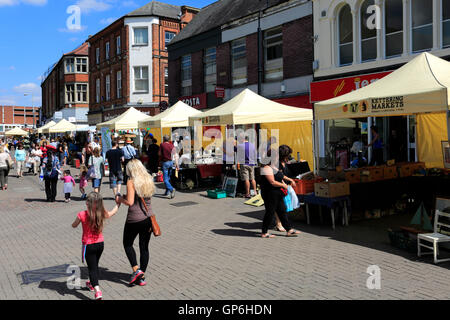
119	84
345	36
186	76
166	81
107	51
209	64
394	28
422	25
97	55
70	68
168	37
108	87
118	46
368	35
81	64
70	93
239	62
97	91
141	36
82	93
273	43
141	79
445	23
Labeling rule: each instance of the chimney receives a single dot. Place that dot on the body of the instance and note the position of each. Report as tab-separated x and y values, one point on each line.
188	13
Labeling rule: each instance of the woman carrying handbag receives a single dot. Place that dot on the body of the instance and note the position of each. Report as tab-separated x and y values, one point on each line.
5	166
140	219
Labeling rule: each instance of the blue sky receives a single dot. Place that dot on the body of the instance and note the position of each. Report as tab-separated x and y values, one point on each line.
34	36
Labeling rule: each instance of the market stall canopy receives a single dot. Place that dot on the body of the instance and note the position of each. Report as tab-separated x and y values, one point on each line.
48	125
176	116
129	120
16	132
61	127
420	86
248	108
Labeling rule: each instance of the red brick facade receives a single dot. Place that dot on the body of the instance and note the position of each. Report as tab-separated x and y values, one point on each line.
12	116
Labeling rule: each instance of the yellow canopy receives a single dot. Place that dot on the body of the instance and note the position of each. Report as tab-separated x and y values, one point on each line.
248	108
60	127
48	125
419	86
128	120
176	116
16	132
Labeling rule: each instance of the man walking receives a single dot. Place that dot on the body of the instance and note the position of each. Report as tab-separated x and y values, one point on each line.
166	151
247	158
115	159
129	153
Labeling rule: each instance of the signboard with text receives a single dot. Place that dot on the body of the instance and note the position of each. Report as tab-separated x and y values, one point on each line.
220	92
198	101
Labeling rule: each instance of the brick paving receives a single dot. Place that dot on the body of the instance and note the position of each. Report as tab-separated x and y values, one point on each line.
210	250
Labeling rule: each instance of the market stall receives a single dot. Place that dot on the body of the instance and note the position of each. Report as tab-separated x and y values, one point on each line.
16	132
61	127
48	125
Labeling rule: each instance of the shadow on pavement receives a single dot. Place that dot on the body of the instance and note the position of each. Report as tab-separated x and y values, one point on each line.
43	200
62	289
236	233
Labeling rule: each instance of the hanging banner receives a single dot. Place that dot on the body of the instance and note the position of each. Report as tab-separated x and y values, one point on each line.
106	140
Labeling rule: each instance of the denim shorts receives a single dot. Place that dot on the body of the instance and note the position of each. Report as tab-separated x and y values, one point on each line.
115	178
96	183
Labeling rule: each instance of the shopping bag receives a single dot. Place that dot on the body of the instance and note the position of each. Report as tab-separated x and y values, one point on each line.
288	203
294	198
91	173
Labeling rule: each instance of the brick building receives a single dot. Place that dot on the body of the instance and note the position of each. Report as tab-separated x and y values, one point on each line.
129	60
17	117
221	50
65	88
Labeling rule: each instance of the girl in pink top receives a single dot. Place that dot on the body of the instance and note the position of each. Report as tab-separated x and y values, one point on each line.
69	183
92	221
83	183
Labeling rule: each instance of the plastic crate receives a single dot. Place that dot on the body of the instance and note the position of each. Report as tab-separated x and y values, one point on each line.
217	194
306	186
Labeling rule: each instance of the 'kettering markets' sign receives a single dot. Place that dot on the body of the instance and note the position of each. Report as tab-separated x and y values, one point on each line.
376	105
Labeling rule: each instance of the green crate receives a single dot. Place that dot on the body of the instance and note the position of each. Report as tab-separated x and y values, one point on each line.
217	194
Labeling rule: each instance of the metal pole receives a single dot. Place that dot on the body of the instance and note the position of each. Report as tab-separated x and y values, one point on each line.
259	53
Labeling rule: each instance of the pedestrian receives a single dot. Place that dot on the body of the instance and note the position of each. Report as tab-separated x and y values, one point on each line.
69	183
115	159
273	191
35	157
153	157
129	153
44	150
65	152
83	182
247	159
5	165
377	147
140	189
98	163
166	152
19	159
93	221
51	168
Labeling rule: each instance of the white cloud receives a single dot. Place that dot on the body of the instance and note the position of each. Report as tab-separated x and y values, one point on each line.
93	5
8	100
8	2
35	2
26	88
129	4
12	68
82	28
17	2
108	21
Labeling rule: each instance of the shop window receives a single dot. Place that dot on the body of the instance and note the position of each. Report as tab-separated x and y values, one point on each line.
422	25
345	36
368	34
186	76
141	36
239	62
210	69
445	23
141	79
394	28
273	43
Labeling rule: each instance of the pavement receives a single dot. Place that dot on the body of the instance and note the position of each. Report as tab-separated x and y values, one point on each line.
209	250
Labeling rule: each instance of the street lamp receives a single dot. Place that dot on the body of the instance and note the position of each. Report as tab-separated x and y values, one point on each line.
260	48
32	107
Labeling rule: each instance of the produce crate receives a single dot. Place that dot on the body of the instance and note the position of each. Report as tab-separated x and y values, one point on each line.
353	176
377	173
390	173
405	170
332	189
416	166
306	186
217	194
401	240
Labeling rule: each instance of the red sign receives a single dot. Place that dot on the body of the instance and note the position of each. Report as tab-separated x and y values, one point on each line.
220	92
198	101
298	101
328	89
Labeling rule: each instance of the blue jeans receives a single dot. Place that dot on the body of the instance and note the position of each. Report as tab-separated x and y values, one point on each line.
167	172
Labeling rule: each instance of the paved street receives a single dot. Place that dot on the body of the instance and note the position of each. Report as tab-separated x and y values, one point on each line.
210	250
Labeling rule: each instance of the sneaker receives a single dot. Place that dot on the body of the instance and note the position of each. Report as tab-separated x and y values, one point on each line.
172	194
142	282
89	286
98	295
136	276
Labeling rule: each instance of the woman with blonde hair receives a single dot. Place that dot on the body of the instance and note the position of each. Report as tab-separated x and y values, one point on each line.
140	189
5	163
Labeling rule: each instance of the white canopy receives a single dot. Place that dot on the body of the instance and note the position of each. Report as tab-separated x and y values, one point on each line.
176	116
16	132
128	120
48	125
420	86
61	127
248	108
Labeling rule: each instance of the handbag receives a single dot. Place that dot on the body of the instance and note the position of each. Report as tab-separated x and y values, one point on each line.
155	227
91	173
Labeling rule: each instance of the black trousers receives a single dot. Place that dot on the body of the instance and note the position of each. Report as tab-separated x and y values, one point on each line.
4	176
130	232
273	202
50	188
67	196
93	253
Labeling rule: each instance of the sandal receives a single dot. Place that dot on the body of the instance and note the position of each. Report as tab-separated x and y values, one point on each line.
277	228
294	233
268	235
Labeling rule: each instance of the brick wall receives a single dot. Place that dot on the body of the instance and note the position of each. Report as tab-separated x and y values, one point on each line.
224	65
198	81
14	115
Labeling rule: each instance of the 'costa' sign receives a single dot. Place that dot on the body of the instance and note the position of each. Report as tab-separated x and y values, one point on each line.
196	101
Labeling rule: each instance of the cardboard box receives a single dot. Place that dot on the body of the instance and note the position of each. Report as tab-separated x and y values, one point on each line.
417	166
377	173
405	170
390	173
331	189
353	176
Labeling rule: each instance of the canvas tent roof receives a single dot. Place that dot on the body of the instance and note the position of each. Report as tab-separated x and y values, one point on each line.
128	120
248	108
16	132
60	127
420	86
48	125
176	116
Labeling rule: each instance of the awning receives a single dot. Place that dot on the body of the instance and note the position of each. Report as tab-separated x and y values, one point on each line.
129	120
61	127
420	86
176	116
248	108
16	132
48	125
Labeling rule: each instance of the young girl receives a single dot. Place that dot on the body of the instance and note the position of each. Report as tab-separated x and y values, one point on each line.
83	182
66	153
69	183
92	221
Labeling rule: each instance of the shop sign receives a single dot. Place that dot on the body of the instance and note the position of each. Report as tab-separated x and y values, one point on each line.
196	101
374	106
220	92
328	89
211	120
